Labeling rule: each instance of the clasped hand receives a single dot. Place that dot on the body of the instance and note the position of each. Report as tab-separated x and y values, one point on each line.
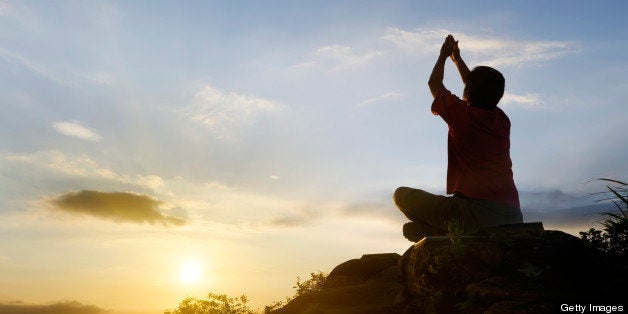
450	48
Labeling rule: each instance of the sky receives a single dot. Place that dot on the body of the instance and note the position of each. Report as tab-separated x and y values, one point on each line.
153	150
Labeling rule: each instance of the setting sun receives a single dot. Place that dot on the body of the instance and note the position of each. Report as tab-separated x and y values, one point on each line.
190	272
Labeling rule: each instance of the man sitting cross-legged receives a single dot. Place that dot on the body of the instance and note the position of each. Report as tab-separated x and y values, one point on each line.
479	169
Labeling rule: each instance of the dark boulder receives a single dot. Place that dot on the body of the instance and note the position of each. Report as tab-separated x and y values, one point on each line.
507	269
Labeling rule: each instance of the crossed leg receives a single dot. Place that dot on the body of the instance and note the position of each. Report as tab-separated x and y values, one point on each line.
429	213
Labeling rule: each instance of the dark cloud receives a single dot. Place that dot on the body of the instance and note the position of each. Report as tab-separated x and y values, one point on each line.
552	199
290	221
581	214
377	209
116	206
301	218
68	307
369	208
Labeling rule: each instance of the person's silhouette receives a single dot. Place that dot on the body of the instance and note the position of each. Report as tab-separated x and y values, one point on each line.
479	168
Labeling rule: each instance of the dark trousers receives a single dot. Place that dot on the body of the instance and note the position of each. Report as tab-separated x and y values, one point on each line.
436	212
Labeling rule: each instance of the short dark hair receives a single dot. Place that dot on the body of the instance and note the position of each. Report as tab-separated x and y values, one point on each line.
484	87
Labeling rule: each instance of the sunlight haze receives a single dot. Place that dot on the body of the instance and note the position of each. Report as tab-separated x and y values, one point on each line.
157	150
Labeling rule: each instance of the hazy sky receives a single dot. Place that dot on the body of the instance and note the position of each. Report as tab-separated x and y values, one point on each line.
261	140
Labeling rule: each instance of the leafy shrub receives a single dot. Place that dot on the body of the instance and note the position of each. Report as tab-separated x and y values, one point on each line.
612	240
213	304
314	284
222	304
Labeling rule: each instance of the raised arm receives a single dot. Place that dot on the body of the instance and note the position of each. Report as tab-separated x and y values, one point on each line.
435	82
457	59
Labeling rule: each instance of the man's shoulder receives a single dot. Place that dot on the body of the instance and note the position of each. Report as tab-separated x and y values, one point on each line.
502	115
446	94
447	98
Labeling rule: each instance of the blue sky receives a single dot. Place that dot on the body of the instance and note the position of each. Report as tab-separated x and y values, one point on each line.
272	127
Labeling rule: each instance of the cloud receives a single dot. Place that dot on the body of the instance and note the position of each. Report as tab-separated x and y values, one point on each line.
381	98
115	206
290	221
422	40
301	218
379	210
101	78
338	57
526	101
552	199
32	66
66	307
224	113
6	9
83	166
76	129
483	50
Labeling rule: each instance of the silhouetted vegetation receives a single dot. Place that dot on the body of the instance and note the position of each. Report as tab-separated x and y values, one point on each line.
222	304
213	304
314	284
612	240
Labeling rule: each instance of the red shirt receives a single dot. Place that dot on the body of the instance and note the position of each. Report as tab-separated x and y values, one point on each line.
478	145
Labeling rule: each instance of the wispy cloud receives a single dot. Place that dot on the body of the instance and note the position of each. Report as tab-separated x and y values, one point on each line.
525	101
6	9
82	166
552	199
338	57
290	221
295	219
225	113
102	78
381	98
421	40
76	129
30	65
64	78
115	206
379	210
491	51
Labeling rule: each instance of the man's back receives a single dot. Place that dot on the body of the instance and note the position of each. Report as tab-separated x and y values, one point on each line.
479	164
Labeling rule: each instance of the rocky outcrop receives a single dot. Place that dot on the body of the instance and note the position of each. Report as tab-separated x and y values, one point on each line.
508	269
371	284
515	268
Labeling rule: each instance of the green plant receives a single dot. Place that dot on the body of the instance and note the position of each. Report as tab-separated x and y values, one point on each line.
613	238
213	304
222	304
455	233
314	284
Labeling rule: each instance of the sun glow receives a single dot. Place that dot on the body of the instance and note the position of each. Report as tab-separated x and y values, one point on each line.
191	272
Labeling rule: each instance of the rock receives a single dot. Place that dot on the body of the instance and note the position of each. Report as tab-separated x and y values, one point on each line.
371	284
530	229
519	268
507	269
490	289
356	271
433	264
513	307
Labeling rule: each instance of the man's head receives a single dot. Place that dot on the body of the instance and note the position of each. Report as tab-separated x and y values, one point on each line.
484	87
